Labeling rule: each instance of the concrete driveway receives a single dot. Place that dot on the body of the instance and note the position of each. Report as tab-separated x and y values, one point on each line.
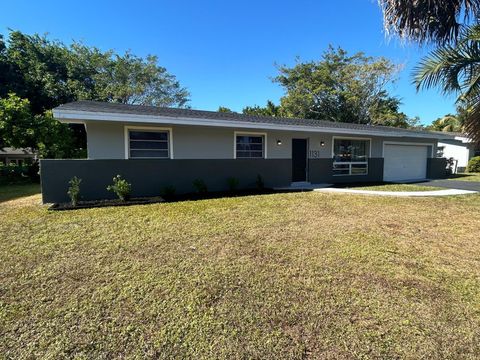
453	184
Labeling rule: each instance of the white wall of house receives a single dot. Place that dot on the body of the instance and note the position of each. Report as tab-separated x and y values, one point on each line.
456	149
107	140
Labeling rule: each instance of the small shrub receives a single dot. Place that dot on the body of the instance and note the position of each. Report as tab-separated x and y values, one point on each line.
200	186
474	165
259	182
232	183
120	187
168	191
74	190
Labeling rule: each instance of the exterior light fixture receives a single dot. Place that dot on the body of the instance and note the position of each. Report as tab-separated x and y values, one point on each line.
322	143
279	142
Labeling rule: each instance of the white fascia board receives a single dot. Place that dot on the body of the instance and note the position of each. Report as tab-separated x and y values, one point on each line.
69	116
463	139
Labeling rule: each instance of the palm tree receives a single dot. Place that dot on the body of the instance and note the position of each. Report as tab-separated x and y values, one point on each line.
437	21
455	66
455	69
447	123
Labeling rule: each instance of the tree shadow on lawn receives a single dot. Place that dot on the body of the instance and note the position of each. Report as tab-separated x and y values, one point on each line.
14	191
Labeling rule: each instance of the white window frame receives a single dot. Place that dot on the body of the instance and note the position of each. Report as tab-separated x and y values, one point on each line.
350	163
245	133
152	129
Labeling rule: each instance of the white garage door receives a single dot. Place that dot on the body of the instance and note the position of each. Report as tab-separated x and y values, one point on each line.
404	162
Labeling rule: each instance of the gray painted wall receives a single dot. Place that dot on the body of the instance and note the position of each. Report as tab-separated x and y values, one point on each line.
106	140
436	168
148	177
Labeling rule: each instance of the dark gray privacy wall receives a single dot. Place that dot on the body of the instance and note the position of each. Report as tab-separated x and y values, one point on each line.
148	177
436	168
321	171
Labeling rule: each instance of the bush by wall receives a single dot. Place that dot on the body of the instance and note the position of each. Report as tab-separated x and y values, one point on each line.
11	174
474	164
121	187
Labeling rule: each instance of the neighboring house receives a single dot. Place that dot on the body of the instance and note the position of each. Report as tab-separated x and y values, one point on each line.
460	148
154	147
9	155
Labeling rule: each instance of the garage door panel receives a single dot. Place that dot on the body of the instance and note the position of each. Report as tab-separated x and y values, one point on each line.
405	162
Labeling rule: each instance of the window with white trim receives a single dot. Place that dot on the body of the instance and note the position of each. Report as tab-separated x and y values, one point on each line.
147	144
350	156
249	146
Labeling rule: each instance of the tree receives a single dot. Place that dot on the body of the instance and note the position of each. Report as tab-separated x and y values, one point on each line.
386	112
17	124
224	109
455	69
447	123
38	71
269	110
339	87
20	128
438	21
130	79
49	73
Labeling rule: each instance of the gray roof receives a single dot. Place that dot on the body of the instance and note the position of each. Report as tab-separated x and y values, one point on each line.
14	151
105	107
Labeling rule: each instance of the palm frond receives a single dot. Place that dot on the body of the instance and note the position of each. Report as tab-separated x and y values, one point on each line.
472	121
437	21
455	69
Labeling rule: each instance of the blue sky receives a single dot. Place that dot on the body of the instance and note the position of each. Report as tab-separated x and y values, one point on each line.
224	51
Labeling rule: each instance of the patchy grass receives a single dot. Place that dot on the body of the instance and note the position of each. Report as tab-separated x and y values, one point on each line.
9	192
299	275
466	177
396	187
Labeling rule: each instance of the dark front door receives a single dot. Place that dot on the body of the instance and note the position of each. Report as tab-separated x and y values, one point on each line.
299	160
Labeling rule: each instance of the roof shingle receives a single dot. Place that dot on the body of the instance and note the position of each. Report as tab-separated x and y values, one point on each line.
106	107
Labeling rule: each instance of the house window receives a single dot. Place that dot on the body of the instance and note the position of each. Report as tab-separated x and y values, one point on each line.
350	156
148	144
440	151
249	146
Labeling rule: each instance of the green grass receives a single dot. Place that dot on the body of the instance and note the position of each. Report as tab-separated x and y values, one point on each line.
466	177
397	187
296	275
9	192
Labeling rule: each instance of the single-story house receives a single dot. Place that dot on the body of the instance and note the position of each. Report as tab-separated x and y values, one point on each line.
458	147
10	155
156	147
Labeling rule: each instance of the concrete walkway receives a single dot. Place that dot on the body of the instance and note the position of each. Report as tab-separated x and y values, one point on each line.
446	192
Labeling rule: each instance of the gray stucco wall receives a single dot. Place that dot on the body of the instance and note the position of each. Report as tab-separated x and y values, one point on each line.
106	140
436	168
321	171
148	177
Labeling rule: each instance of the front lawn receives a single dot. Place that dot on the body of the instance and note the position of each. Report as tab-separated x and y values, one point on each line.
293	275
9	192
466	177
